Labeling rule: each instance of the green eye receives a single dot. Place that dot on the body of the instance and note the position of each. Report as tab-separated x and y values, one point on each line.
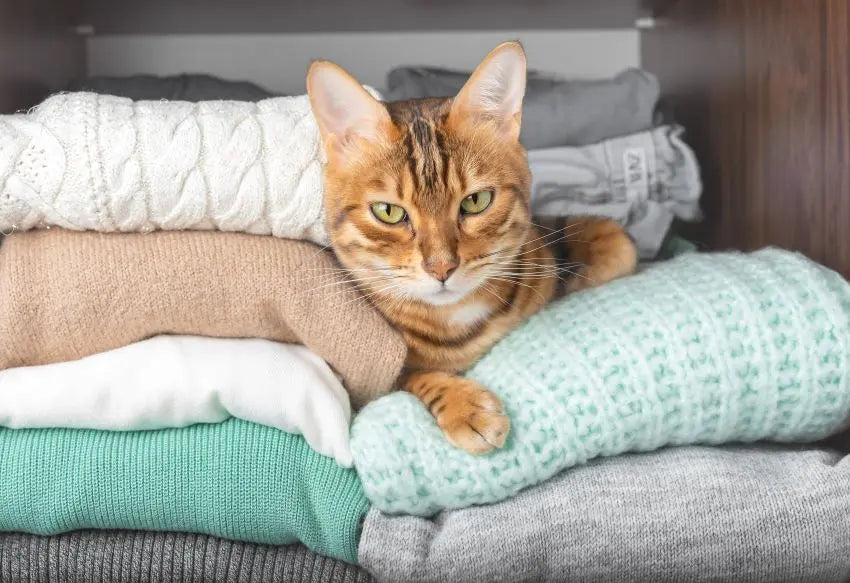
388	213
476	202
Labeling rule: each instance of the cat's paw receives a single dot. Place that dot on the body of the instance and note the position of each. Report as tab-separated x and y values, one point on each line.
472	417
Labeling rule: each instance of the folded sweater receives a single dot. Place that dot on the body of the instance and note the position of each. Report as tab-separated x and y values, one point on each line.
643	181
66	295
755	514
174	381
99	162
705	348
235	480
121	556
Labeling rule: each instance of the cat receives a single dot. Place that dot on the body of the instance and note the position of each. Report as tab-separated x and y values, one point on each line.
428	210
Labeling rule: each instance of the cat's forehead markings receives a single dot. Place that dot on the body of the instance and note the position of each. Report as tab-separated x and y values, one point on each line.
424	157
377	184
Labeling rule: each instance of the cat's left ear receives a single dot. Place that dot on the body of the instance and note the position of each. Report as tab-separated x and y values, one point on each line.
493	94
345	111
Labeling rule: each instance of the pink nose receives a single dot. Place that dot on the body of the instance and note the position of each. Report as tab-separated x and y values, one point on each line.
440	269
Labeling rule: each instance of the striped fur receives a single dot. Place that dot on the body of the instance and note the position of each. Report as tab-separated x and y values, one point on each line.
427	156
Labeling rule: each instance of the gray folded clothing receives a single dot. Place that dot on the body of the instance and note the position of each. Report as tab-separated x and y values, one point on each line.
555	112
643	181
158	557
759	513
194	87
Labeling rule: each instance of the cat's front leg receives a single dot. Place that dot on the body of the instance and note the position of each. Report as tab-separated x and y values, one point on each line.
470	416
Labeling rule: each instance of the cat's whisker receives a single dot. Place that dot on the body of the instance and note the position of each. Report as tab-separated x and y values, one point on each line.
533	270
380	290
516	282
539	226
524	275
397	303
320	249
350	281
546	243
516	248
489	290
353	269
358	289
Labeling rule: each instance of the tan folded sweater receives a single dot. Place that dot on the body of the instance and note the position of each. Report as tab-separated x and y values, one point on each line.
65	295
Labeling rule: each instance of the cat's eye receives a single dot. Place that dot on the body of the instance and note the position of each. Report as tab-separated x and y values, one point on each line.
391	214
476	202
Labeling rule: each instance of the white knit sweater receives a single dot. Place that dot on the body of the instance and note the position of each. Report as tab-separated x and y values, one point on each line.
97	162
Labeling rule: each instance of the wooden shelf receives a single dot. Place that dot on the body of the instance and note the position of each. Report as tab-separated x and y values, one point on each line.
292	16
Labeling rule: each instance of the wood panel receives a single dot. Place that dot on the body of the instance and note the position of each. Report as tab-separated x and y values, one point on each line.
836	160
39	51
762	87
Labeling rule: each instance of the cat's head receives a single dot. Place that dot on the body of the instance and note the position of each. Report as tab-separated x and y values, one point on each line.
425	197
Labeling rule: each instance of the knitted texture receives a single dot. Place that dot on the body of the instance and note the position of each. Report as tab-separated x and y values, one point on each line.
195	380
98	162
162	557
234	479
97	292
701	349
763	513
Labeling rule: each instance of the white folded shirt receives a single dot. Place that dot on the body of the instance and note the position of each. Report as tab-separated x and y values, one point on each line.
175	381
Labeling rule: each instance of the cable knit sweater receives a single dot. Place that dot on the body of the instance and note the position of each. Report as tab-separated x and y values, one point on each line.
98	162
66	295
702	349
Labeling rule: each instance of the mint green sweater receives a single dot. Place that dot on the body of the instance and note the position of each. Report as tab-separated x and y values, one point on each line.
701	349
233	479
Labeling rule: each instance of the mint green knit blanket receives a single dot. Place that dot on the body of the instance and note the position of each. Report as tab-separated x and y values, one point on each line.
235	479
703	349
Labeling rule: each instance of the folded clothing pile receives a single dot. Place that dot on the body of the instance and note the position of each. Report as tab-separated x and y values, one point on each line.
162	338
186	392
173	363
702	349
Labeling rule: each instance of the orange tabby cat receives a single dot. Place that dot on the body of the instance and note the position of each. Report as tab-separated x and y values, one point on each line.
428	209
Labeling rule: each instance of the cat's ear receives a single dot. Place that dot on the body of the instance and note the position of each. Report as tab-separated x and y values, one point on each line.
493	94
345	111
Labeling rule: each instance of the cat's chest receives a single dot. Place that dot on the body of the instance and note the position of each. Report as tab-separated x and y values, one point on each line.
469	314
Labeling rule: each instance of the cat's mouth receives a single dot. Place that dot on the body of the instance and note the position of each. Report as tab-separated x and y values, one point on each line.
437	293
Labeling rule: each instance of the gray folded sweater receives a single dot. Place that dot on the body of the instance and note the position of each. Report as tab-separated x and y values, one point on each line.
641	180
555	112
697	514
119	556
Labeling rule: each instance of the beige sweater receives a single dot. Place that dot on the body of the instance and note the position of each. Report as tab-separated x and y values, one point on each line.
65	295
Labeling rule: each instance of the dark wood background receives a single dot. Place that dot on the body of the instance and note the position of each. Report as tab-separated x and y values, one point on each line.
763	88
39	51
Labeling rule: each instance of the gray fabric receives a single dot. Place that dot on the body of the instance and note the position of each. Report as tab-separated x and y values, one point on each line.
759	513
175	88
148	557
555	112
643	181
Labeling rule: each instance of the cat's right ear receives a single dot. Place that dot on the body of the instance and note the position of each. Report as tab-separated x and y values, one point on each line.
493	94
346	113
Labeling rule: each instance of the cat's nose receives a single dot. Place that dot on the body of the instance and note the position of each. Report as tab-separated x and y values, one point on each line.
440	269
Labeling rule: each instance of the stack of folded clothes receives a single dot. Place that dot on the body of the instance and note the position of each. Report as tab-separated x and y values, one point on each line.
183	360
176	360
